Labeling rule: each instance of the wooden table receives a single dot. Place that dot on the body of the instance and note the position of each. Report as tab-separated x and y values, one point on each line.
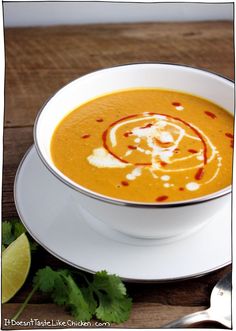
38	62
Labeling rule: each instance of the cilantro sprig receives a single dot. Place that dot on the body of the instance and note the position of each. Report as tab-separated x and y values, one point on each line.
102	296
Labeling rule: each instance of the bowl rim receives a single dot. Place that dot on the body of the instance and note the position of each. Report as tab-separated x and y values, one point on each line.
128	203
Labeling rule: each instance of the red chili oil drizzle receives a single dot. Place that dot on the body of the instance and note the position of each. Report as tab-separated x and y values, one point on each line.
99	120
163	164
143	164
149	125
176	104
229	135
127	134
212	115
181	189
124	183
161	198
193	151
104	137
132	147
85	136
199	174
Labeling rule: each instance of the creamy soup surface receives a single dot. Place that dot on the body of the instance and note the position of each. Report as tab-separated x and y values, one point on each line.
146	145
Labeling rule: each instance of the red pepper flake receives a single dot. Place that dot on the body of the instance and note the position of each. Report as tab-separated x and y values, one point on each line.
232	143
85	136
199	173
176	150
127	134
146	126
208	113
181	189
176	104
229	135
124	183
161	198
163	164
99	120
192	151
132	147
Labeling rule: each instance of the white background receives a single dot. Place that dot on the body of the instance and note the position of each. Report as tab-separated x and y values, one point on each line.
53	13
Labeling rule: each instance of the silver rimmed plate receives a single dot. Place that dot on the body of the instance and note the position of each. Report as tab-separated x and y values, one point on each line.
51	215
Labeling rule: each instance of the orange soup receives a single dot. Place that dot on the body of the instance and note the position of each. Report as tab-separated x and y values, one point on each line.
146	145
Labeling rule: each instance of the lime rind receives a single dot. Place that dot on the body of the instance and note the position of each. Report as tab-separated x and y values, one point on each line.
16	260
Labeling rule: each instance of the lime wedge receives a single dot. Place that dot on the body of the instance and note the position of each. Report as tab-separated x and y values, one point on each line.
15	266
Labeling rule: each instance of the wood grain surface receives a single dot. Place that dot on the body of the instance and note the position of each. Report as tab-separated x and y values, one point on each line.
41	60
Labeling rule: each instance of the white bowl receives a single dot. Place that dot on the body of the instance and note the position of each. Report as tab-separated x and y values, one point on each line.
145	220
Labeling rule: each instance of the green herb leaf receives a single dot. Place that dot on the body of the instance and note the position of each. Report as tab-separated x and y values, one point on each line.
64	291
89	296
105	296
45	278
33	246
114	304
79	307
12	230
111	284
7	235
112	309
60	289
18	229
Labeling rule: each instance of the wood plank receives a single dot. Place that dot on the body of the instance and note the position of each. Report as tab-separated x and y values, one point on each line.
41	60
142	315
16	143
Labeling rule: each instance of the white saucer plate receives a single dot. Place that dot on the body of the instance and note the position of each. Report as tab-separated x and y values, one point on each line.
50	214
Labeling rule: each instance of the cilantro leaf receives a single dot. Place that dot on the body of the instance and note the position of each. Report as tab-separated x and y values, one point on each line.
60	290
113	310
64	291
114	304
33	246
11	231
111	284
7	235
54	283
89	296
78	305
18	229
45	278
